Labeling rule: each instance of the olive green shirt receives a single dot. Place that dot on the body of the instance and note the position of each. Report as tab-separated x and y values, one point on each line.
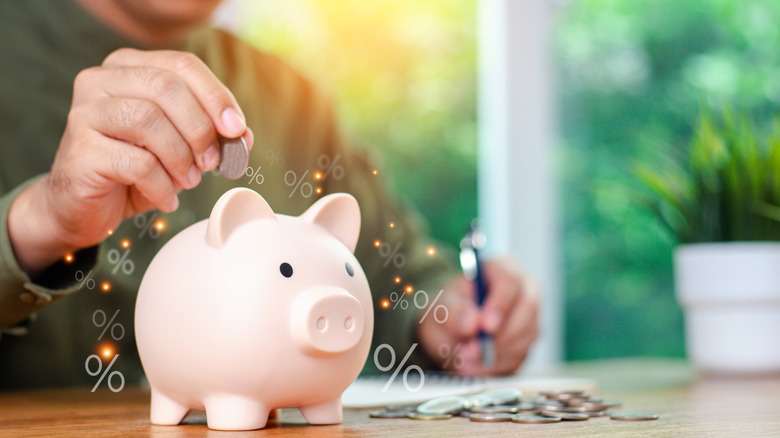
49	323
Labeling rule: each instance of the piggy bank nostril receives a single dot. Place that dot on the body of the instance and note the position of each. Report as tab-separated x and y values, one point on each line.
349	323
322	324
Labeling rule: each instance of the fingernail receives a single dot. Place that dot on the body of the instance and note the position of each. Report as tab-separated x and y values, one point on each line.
174	204
233	123
210	158
492	321
193	176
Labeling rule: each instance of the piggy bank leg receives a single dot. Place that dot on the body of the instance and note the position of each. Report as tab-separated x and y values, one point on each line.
165	411
327	412
235	412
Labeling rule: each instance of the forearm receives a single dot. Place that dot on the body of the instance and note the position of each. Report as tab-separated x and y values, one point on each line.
21	295
33	235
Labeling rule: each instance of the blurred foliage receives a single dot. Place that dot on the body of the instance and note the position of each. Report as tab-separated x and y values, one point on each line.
632	78
402	75
726	189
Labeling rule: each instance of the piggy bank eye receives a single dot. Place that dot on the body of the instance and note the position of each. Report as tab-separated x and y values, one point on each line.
350	271
286	269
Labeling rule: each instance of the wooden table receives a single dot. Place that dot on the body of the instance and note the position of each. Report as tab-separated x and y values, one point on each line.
687	404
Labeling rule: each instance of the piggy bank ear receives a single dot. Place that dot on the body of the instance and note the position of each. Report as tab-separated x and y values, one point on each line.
233	209
338	213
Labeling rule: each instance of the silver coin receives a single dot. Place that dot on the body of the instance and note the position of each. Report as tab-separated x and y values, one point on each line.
534	419
389	414
234	155
443	405
495	409
490	418
597	414
502	396
549	402
424	417
567	416
633	416
464	413
478	400
562	393
526	407
401	408
594	406
571	409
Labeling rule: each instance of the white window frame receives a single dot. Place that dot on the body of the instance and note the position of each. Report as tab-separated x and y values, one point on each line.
517	134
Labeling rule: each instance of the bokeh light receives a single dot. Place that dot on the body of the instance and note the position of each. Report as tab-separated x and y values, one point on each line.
125	243
69	258
106	350
105	286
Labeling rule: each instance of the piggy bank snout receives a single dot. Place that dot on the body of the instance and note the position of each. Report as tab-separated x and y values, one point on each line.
326	320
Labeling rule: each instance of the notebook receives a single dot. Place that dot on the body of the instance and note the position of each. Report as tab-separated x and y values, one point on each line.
374	391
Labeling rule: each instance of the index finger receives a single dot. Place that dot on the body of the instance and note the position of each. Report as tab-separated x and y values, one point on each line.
504	290
215	98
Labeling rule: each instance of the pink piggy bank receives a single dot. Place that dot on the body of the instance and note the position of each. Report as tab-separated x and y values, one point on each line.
249	311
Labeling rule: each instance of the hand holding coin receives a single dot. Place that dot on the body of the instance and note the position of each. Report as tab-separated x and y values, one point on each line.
142	127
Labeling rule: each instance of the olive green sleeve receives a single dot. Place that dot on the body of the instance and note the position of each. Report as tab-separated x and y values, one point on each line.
21	296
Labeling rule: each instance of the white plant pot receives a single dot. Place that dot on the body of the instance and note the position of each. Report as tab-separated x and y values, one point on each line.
731	296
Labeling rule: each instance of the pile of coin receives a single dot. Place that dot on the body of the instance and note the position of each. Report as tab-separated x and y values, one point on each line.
509	405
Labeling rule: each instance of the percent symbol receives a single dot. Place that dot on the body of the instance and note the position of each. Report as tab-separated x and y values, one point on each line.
275	157
85	279
398	300
451	356
108	324
431	307
120	261
100	368
298	183
254	175
392	254
384	368
329	167
150	225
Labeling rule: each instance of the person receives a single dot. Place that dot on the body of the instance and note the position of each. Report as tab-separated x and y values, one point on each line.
111	110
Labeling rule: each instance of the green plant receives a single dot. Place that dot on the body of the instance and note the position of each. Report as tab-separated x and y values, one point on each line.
725	189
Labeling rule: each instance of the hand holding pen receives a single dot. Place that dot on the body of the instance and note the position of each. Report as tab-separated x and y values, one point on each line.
508	315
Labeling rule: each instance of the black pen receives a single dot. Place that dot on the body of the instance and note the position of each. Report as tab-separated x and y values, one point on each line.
470	262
